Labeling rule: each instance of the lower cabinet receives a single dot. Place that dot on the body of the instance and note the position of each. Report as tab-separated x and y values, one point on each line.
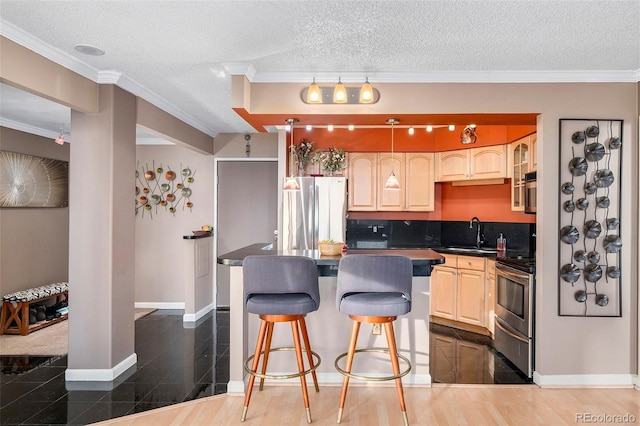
458	290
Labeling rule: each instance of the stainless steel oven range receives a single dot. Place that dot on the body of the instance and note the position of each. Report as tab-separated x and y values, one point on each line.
514	311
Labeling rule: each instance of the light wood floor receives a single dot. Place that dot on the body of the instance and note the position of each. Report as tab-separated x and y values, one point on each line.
439	405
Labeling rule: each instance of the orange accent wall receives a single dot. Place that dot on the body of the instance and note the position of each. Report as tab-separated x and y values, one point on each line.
379	140
491	203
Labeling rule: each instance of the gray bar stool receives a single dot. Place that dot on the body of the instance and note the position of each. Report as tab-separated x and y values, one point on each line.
374	289
281	289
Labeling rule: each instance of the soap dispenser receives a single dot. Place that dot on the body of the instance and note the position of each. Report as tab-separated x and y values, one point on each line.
501	244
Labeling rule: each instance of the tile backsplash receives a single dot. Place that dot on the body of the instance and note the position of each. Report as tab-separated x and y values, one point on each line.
373	233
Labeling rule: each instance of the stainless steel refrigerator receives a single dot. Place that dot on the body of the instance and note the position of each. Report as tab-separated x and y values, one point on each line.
315	212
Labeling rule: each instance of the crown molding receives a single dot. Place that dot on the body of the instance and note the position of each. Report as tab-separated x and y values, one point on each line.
28	128
240	68
62	58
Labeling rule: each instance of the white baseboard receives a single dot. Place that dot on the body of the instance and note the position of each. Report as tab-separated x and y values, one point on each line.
585	380
100	375
195	317
160	305
236	387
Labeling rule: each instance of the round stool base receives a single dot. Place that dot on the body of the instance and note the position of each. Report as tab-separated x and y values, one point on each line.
316	364
372	378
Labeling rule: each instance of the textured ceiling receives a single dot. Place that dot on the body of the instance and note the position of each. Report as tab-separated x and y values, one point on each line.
178	54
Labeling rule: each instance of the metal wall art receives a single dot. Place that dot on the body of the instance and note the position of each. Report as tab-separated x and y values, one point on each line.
30	181
590	195
160	190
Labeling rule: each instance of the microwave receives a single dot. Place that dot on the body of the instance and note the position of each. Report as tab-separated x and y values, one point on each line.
530	186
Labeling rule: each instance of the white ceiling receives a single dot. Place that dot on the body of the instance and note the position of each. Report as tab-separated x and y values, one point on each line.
179	55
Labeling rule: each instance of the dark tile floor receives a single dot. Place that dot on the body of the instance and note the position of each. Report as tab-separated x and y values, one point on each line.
175	364
459	356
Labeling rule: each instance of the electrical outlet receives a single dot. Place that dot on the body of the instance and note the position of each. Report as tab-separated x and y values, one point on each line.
376	329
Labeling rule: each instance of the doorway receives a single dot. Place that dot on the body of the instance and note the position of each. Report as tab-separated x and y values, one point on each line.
247	211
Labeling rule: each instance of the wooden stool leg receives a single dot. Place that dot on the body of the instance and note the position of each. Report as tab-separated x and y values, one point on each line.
393	353
254	367
265	358
305	338
350	353
303	380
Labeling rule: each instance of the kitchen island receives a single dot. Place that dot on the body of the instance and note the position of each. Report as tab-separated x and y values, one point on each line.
329	330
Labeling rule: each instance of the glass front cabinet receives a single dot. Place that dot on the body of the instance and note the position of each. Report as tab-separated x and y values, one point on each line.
519	159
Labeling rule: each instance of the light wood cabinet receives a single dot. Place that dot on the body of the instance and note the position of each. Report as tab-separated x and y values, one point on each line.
390	200
419	181
368	173
362	182
458	290
490	301
518	165
471	164
533	152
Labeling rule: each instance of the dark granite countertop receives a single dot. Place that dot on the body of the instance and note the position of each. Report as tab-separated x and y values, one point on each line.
423	259
198	234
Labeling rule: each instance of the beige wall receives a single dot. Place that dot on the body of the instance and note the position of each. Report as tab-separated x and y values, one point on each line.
34	242
160	247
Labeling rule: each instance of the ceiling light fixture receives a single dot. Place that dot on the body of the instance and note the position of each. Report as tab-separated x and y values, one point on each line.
392	181
411	130
291	183
314	95
351	127
366	92
429	128
452	127
60	139
340	93
330	127
309	127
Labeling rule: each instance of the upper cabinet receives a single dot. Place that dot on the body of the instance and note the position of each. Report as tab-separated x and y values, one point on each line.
519	157
471	164
362	182
368	173
533	152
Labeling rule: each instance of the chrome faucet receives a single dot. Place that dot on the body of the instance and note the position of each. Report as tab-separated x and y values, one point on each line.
479	234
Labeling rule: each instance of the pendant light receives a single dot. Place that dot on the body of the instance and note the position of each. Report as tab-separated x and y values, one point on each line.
291	183
366	92
314	95
339	93
392	181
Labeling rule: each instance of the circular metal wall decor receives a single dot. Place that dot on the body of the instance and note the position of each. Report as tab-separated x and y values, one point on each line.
594	151
569	234
570	273
166	190
568	188
612	243
578	137
592	229
580	256
582	204
578	166
613	272
592	272
613	223
590	195
592	131
590	188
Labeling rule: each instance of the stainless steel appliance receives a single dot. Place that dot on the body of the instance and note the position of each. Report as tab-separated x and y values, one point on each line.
315	212
530	192
514	311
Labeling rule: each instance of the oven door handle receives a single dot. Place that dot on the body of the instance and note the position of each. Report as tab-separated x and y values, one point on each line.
517	276
511	334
